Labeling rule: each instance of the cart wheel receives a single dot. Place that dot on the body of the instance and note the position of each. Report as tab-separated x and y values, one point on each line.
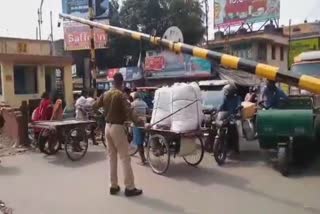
158	154
76	144
196	157
48	142
283	160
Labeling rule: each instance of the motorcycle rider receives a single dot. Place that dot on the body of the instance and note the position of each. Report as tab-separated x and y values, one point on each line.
231	104
272	96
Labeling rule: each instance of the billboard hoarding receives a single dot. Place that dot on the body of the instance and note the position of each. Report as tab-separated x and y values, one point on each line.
302	45
80	8
77	36
236	12
168	64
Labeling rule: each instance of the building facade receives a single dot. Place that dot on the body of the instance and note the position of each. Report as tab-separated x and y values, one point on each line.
270	47
30	67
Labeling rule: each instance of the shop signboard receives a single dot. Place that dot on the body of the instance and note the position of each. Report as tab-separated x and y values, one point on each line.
175	65
155	63
236	12
302	45
78	36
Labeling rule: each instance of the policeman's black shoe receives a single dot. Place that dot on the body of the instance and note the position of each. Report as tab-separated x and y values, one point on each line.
133	192
114	190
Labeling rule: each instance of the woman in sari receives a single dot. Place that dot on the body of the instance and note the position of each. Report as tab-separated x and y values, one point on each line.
42	112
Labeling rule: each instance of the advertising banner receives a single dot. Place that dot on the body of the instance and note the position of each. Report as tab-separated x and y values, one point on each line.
155	64
80	8
168	64
236	12
299	46
77	36
129	73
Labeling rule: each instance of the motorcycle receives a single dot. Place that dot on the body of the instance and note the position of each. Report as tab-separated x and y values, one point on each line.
222	142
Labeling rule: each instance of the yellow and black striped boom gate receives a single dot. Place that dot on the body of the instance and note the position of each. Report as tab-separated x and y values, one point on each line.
306	82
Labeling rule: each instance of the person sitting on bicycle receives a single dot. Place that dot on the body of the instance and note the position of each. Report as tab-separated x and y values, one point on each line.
88	108
140	108
231	104
272	96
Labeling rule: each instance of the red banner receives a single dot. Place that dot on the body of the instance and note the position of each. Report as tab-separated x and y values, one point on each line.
156	63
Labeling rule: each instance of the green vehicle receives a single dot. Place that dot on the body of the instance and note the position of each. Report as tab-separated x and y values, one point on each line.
294	128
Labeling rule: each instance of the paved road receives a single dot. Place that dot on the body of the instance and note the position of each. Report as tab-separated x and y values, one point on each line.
35	184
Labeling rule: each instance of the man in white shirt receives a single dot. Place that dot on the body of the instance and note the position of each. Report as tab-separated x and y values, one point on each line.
80	106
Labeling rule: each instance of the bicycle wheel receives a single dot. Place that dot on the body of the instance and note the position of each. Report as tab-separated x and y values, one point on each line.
158	154
48	142
76	144
195	158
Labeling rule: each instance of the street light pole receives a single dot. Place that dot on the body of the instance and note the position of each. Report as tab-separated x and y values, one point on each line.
93	65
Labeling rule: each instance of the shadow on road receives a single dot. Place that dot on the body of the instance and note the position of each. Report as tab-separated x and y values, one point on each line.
247	159
90	158
158	205
209	176
9	171
308	169
204	176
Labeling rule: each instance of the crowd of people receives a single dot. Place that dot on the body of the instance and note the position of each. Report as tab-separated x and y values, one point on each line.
122	104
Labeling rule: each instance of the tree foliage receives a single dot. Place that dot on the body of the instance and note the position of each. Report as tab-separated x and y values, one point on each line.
150	16
159	15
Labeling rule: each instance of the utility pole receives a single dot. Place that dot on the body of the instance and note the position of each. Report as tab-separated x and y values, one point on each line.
93	65
289	46
51	34
40	21
207	20
37	33
51	23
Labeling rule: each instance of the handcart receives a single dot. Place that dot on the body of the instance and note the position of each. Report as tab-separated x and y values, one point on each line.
70	133
162	144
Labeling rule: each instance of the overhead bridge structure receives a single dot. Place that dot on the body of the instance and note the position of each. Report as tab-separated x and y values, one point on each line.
269	72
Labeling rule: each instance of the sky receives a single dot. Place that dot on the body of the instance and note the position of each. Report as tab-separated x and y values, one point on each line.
18	18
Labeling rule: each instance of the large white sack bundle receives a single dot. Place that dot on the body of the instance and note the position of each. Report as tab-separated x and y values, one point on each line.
188	119
199	103
161	107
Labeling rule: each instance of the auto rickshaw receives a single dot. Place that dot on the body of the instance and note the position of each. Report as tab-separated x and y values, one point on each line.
291	130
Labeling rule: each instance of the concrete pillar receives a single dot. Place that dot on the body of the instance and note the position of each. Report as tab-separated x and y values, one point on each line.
41	79
68	87
8	83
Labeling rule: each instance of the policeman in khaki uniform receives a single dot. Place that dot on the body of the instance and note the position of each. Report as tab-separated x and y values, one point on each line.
117	112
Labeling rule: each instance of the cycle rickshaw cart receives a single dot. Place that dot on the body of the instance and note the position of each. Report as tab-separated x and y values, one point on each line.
71	133
163	144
